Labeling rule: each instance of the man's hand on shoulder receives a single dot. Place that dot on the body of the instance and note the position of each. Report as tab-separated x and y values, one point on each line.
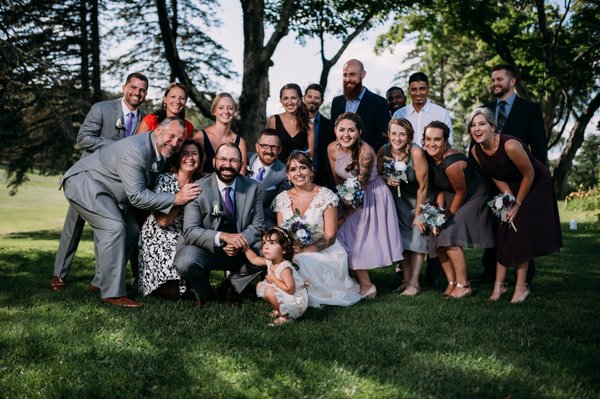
188	193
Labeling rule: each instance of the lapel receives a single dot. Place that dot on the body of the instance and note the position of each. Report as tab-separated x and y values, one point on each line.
514	112
118	113
363	105
240	198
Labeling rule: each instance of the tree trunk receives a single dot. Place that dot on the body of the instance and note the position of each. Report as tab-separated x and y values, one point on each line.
257	61
177	65
95	50
576	137
84	49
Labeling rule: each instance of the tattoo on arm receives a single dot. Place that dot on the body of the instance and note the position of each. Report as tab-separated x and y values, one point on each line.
365	164
323	243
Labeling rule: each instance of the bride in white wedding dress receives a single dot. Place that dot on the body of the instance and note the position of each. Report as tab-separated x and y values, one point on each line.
323	263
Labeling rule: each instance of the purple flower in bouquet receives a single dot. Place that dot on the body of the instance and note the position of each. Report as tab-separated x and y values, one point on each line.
350	192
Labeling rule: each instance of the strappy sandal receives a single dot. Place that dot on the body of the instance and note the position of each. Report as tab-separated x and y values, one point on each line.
450	283
466	294
499	290
274	313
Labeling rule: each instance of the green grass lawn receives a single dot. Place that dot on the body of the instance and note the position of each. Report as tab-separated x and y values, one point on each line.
71	345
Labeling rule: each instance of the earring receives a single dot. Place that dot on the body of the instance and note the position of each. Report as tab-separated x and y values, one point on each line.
164	107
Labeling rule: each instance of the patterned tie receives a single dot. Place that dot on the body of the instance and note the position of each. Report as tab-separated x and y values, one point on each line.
261	174
128	124
501	116
228	200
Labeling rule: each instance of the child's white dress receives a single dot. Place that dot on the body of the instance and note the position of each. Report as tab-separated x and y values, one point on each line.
292	305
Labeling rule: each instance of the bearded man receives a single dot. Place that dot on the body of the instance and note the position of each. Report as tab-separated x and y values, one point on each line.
372	108
217	225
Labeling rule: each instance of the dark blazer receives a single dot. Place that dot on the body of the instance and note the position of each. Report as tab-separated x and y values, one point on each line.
374	112
323	176
274	183
526	122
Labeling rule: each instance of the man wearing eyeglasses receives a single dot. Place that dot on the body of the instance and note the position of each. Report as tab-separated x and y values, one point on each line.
218	225
265	167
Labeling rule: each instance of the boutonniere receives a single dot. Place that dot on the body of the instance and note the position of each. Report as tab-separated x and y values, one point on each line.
119	124
216	209
249	171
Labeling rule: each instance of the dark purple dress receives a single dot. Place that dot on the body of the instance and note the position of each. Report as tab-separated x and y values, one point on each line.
537	222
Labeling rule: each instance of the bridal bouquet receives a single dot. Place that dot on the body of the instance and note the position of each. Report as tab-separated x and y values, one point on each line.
433	216
300	231
395	170
501	204
350	192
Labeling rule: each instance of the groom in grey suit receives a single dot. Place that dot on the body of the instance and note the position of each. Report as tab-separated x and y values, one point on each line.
106	123
265	167
103	186
217	225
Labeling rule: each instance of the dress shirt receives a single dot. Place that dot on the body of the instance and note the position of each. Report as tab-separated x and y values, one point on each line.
509	103
352	105
125	111
222	187
256	168
429	113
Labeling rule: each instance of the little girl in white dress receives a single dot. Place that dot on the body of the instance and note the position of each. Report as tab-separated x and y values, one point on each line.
283	289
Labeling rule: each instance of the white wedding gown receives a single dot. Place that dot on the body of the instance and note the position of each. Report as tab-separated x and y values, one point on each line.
326	272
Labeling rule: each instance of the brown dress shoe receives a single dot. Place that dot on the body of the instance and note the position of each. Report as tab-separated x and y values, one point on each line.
93	288
58	284
123	301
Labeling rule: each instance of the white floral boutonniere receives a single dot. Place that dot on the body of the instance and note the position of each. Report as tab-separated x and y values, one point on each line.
249	171
119	124
216	209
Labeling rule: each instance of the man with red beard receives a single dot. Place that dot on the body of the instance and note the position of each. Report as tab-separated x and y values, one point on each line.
218	225
371	107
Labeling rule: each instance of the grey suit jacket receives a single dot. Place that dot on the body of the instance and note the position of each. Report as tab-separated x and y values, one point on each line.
274	183
99	127
121	171
200	222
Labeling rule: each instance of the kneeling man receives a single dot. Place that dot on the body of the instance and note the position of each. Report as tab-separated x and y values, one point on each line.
219	223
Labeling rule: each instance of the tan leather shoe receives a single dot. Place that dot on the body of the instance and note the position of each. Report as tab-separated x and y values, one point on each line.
93	288
58	284
123	301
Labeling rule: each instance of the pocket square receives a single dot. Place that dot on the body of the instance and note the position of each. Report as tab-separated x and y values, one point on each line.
271	188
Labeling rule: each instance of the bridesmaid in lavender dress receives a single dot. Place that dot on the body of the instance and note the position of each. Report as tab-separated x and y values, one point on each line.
370	231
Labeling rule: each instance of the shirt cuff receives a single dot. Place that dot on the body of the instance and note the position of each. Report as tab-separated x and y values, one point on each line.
218	239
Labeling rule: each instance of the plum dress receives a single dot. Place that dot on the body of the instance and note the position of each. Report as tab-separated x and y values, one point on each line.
406	202
325	272
157	245
371	234
292	305
537	222
472	224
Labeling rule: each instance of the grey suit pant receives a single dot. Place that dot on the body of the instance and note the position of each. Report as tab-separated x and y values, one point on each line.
67	246
115	234
194	264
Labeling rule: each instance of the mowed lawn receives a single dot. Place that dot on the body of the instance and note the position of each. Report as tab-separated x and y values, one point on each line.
69	344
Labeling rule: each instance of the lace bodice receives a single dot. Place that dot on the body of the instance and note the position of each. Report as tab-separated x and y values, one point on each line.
324	199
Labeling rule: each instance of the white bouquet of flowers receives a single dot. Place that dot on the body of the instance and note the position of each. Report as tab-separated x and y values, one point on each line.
350	192
501	204
395	170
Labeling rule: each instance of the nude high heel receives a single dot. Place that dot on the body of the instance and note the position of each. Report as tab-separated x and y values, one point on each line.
371	293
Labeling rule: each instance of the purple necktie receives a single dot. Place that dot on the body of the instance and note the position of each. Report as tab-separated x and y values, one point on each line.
261	175
228	200
129	124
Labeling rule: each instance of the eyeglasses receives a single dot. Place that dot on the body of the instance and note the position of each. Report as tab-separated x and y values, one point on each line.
268	147
232	161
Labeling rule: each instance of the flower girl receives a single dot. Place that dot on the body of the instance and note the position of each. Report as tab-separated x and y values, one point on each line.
283	289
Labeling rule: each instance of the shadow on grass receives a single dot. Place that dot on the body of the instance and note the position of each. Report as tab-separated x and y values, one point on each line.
69	344
46	235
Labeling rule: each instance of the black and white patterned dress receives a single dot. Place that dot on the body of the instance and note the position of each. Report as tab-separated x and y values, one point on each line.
157	245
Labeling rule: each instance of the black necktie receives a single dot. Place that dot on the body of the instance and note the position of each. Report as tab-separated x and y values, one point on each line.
501	116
